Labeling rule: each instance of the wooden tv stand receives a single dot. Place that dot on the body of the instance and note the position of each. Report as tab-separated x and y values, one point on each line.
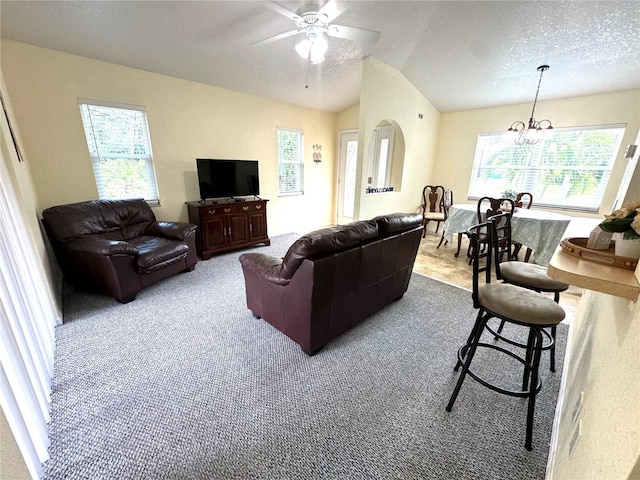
226	226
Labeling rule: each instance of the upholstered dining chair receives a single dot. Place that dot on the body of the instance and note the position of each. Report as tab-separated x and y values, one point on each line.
523	274
523	200
518	306
436	201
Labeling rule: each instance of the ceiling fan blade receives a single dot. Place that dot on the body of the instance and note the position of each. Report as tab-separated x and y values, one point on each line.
278	37
361	35
284	11
332	10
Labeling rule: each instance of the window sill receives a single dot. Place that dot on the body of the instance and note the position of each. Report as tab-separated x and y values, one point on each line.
291	194
559	208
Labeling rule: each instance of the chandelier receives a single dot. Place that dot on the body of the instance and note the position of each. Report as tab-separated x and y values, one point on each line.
534	131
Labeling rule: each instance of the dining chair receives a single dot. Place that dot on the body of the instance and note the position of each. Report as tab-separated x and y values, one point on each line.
448	201
520	307
523	200
436	201
523	274
489	207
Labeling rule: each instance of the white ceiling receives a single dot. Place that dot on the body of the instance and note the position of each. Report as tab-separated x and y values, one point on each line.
459	54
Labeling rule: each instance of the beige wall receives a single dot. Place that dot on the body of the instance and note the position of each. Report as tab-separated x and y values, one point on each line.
186	120
459	131
387	95
598	431
348	119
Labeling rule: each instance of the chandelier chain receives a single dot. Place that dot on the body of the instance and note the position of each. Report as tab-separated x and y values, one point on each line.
532	133
542	69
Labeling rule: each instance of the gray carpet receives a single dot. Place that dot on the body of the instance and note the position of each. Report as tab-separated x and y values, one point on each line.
183	383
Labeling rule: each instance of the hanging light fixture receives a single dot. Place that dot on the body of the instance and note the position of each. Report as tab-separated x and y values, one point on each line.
314	46
533	132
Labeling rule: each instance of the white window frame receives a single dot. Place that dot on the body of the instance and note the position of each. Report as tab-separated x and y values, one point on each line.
119	148
297	160
499	164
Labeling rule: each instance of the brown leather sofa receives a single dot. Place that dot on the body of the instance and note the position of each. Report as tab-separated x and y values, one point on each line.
117	247
334	278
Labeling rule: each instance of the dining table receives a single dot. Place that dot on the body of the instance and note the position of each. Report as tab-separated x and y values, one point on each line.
540	230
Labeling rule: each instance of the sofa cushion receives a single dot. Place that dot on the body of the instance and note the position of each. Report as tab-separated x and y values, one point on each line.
109	219
397	222
134	218
155	253
327	241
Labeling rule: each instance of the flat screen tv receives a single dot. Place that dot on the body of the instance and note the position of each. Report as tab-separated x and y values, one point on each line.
227	178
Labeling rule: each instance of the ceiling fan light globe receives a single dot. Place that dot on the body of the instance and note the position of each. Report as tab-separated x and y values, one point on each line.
319	47
313	49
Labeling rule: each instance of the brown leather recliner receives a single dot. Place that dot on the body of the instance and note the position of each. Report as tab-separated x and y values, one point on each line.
117	247
334	278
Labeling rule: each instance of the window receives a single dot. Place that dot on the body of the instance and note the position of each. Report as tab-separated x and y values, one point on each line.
290	161
382	140
120	150
570	168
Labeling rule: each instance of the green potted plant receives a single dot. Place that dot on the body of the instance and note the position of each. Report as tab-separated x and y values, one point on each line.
624	223
510	194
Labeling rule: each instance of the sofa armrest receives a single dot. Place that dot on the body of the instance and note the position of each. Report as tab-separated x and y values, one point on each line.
264	266
100	246
174	230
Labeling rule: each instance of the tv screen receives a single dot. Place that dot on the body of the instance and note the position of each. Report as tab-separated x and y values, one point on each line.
227	178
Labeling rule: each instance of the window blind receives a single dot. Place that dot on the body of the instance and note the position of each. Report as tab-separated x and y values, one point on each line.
120	151
290	161
568	169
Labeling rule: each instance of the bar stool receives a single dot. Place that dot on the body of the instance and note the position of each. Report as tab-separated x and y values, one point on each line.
523	274
516	305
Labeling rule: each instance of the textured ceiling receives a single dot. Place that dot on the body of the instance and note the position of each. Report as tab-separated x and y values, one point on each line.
459	54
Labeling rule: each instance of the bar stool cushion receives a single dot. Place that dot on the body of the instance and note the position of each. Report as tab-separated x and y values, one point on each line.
520	304
530	275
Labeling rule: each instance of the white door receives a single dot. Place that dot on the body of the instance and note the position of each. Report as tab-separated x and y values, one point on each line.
347	159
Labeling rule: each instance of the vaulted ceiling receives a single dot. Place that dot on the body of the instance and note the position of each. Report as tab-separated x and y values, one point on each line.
459	54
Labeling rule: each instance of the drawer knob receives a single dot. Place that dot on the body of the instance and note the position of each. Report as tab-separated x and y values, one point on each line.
245	208
258	207
211	212
227	210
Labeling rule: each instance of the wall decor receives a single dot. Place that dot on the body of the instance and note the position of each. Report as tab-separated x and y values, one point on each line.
317	156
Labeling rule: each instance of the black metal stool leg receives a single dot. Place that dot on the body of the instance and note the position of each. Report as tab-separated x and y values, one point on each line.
552	351
499	328
469	356
471	335
528	356
537	353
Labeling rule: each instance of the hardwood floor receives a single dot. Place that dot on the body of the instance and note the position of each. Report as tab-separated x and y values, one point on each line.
440	263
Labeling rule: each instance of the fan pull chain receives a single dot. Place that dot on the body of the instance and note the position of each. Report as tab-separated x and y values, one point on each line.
306	72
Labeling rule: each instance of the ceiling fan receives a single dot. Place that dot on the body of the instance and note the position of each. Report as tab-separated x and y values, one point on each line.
315	24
